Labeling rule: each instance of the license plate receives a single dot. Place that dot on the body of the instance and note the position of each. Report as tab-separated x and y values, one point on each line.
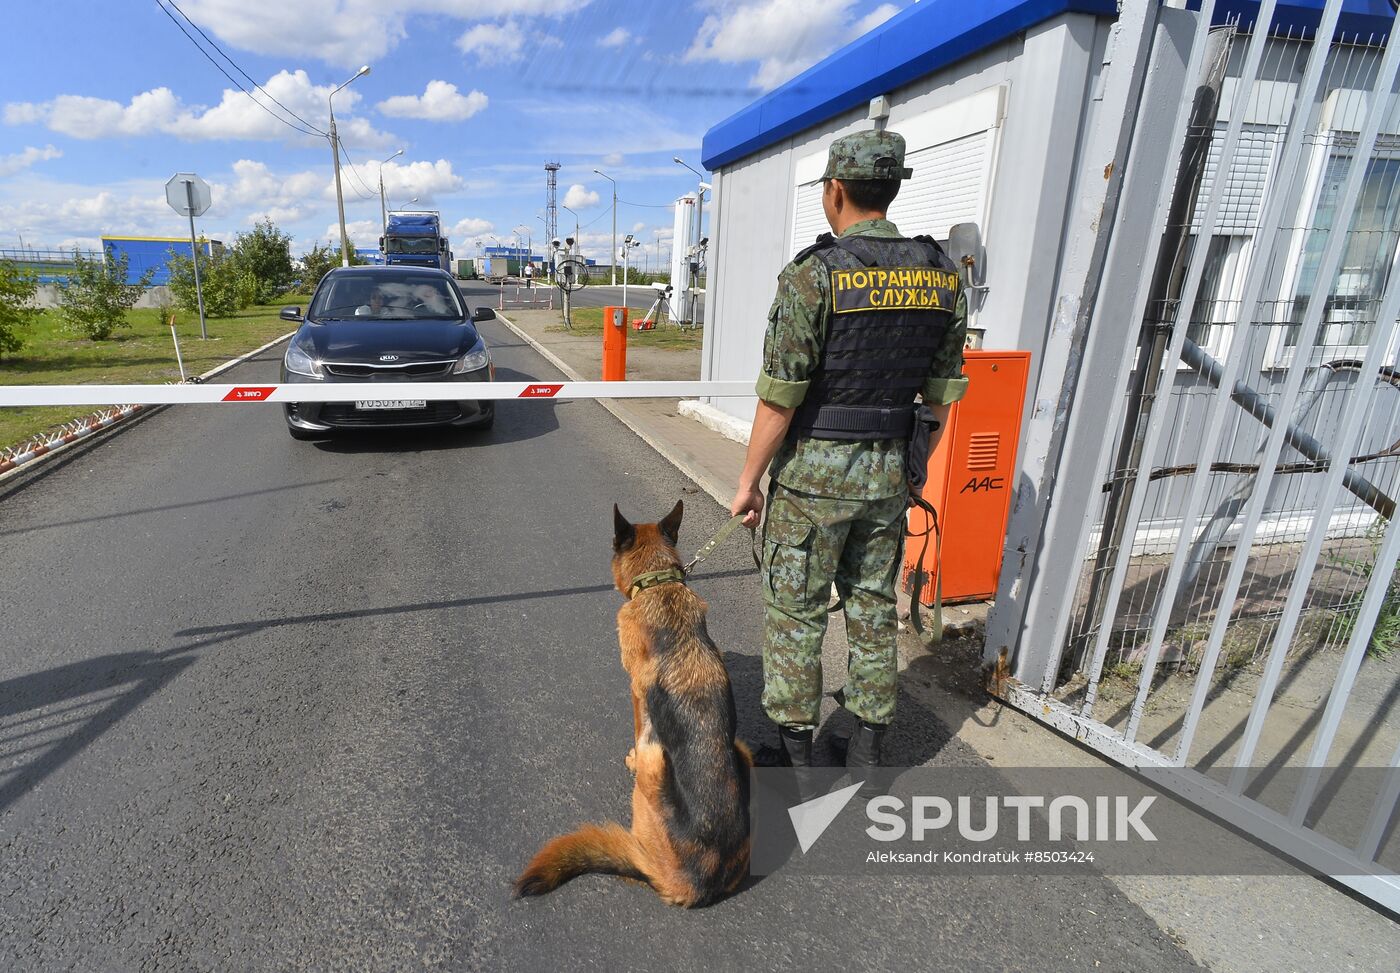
391	403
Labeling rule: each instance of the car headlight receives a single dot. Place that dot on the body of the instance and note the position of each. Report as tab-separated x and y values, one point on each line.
300	363
472	361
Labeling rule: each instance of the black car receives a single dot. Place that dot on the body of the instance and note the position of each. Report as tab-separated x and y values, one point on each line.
386	324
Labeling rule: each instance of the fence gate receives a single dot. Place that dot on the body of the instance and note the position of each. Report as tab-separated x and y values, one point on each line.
1201	567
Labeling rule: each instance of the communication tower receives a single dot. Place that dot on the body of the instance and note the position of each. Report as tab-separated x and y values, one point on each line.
551	206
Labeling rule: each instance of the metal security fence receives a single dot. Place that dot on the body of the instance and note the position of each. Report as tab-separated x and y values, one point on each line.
47	266
1217	482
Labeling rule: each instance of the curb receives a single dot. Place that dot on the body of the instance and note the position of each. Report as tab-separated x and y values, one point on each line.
721	493
106	419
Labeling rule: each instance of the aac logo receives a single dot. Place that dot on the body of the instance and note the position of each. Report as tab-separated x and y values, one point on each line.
976	485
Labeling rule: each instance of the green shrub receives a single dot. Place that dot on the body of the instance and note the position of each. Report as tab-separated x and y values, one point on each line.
93	301
17	308
316	264
228	287
264	255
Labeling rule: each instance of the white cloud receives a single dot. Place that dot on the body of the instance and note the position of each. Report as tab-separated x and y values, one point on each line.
362	233
344	32
619	37
236	116
470	227
638	227
493	43
439	102
580	196
423	179
11	164
614	159
785	37
875	18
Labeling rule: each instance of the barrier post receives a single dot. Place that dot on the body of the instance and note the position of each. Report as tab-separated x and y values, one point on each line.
614	344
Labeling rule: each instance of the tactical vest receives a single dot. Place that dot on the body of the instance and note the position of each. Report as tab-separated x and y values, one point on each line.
892	300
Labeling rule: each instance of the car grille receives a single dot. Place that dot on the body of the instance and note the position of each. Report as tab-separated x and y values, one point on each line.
391	373
345	414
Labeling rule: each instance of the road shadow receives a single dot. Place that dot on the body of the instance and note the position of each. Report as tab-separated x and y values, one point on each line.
917	735
260	624
165	508
48	717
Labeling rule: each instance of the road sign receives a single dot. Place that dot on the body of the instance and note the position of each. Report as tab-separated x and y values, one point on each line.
187	194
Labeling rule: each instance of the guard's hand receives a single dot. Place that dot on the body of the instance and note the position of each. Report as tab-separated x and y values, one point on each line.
749	503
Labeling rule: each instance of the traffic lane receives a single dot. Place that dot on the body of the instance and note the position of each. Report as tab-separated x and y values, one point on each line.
639	296
356	686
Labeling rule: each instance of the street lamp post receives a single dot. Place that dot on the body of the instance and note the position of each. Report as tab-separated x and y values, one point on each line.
548	244
335	159
567	210
612	259
383	207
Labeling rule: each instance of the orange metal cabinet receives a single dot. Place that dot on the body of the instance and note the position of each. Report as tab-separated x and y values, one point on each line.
971	479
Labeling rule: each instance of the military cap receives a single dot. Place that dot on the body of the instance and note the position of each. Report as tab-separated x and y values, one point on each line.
867	155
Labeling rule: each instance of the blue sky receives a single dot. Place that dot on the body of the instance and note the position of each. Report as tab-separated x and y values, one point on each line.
100	102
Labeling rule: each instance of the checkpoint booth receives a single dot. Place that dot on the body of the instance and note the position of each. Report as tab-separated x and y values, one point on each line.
992	100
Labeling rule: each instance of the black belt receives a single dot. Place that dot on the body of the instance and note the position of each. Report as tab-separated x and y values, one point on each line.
865	422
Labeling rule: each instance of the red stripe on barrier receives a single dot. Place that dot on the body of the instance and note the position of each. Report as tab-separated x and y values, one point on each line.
540	391
250	393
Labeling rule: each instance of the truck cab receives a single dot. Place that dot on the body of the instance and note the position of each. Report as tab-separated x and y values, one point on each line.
416	239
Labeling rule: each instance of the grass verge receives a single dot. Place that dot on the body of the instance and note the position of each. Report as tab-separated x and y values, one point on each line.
139	355
589	321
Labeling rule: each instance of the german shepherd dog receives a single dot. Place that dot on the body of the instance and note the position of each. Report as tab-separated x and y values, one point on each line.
690	819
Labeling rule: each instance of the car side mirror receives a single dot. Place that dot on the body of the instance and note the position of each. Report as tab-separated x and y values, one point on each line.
290	313
483	314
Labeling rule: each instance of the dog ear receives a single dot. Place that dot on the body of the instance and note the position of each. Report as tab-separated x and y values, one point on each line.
670	526
623	532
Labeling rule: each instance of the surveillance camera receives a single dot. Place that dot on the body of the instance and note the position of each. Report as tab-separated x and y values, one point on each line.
569	241
704	240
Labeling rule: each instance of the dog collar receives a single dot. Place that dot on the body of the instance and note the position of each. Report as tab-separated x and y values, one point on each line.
653	578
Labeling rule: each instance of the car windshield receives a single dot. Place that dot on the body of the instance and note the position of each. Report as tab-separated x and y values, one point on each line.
410	244
386	297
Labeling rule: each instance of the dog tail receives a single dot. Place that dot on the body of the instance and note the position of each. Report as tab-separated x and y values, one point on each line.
605	849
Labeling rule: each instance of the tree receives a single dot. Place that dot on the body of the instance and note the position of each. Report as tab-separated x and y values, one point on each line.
93	301
227	286
315	265
265	254
17	308
320	260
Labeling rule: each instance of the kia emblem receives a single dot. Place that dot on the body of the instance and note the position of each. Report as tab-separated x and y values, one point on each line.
388	357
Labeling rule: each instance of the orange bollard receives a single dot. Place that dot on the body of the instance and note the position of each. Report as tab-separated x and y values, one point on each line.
614	344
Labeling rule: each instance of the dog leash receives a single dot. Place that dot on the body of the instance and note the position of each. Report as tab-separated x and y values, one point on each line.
916	579
719	538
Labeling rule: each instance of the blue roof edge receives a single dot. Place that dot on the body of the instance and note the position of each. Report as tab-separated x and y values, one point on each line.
897	52
1360	18
891	55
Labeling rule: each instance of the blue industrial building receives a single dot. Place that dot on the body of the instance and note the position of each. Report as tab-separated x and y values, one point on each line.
146	252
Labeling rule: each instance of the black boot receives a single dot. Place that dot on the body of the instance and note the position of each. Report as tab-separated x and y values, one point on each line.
797	746
863	748
794	749
863	759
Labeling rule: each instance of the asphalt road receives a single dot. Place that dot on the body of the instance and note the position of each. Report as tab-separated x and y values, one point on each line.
639	296
277	705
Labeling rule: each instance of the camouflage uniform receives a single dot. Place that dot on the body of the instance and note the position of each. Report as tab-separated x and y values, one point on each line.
836	509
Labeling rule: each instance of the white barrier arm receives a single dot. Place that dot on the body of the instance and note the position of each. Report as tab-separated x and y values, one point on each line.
27	395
